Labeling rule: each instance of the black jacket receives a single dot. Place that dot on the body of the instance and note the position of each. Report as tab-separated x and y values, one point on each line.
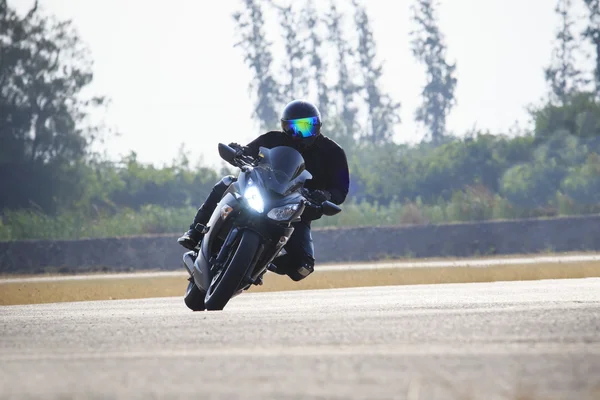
325	160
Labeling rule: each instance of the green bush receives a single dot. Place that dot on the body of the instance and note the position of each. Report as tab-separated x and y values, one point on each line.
474	204
582	183
18	225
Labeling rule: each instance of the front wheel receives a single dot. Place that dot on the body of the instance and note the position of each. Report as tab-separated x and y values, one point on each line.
194	297
226	282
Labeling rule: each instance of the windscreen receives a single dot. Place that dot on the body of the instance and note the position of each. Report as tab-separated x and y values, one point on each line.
281	169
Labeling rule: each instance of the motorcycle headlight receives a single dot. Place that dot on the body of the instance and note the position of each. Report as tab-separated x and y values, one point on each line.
283	213
254	199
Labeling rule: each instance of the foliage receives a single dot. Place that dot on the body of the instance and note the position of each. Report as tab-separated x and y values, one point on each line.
44	134
345	89
295	50
76	224
562	74
135	185
258	56
478	177
432	172
383	112
592	34
318	63
429	48
357	85
579	117
472	204
582	182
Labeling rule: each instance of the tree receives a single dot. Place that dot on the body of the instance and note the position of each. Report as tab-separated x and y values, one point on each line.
295	53
257	54
592	33
43	132
562	75
383	113
318	64
429	48
345	89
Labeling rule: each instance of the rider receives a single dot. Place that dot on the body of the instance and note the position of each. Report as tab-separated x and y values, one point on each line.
324	159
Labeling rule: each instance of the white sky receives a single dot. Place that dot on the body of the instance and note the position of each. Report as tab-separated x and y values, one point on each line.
174	77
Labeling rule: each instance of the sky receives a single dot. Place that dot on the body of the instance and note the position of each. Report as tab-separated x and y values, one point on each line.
174	77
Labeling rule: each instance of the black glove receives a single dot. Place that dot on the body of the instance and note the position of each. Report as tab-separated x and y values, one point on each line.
319	196
239	149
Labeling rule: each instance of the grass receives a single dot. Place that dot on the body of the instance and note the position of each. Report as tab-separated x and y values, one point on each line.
17	225
147	287
149	219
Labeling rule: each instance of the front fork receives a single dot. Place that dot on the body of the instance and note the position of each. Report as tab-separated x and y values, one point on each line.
217	262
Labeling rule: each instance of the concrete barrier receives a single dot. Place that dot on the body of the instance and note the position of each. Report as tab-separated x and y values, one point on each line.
331	245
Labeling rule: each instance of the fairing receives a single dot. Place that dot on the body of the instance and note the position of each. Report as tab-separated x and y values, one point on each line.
281	169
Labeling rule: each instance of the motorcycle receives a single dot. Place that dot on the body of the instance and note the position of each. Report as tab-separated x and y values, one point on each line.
250	225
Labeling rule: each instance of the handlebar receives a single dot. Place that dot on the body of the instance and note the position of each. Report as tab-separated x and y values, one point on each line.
241	160
245	161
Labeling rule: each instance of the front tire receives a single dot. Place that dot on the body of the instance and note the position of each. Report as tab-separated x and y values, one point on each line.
221	291
194	297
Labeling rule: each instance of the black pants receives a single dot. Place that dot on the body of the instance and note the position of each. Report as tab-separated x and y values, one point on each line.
299	260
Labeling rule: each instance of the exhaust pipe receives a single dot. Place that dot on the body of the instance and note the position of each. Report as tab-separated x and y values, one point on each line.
188	262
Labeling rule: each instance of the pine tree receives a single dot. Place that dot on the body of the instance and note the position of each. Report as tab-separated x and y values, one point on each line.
562	75
295	52
383	113
258	56
345	89
318	64
429	48
592	33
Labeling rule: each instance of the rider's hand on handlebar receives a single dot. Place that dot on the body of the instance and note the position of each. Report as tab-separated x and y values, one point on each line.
319	196
239	149
314	203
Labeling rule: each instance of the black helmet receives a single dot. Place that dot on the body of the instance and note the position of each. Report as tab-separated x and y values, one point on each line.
301	120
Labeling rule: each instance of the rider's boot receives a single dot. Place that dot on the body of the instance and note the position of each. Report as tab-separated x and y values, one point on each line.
195	234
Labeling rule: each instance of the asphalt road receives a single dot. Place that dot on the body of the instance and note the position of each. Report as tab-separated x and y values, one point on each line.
461	341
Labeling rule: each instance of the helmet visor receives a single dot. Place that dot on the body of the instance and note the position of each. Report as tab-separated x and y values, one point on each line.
301	128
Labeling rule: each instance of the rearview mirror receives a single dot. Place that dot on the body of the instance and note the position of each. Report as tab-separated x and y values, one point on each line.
330	208
226	153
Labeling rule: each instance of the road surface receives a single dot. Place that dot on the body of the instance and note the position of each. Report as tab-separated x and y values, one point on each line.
459	341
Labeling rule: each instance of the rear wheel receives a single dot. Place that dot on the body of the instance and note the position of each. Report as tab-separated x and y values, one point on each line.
194	297
227	281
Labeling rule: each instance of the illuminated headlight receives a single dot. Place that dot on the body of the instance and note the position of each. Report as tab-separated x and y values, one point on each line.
283	213
254	199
